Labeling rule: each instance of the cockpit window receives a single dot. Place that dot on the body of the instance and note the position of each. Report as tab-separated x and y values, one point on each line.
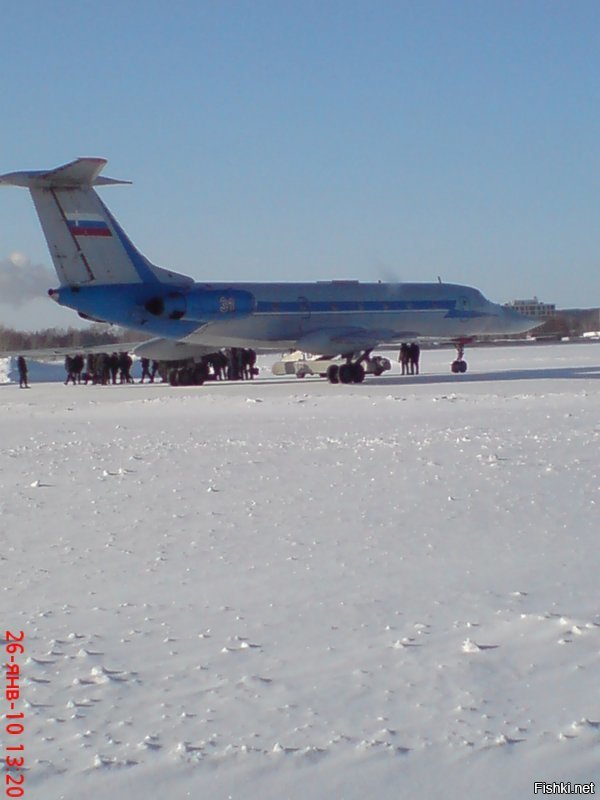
470	301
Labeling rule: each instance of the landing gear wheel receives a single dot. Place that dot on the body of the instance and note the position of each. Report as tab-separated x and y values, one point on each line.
185	377
459	365
199	375
333	373
346	373
358	373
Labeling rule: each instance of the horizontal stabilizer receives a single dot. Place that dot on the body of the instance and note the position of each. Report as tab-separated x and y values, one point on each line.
83	172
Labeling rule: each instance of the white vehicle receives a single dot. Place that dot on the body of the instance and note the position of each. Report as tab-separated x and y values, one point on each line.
336	370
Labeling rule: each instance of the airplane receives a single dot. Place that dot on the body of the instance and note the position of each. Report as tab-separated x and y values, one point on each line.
105	278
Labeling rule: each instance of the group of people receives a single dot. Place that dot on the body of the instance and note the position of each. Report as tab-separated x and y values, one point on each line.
409	358
103	368
238	363
235	363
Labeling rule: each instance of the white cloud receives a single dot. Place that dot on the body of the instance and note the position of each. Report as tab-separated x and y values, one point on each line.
18	259
24	301
21	281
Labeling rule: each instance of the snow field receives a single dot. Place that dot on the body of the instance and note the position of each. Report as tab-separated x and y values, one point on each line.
287	589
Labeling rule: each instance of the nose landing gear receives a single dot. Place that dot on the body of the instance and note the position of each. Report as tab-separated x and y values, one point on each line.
459	364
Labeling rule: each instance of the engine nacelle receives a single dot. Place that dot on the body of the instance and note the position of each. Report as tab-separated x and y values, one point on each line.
202	304
171	305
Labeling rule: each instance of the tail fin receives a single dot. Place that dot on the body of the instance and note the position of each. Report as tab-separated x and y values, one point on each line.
86	243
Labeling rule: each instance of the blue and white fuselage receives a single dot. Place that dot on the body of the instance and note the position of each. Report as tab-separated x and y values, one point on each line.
316	317
103	276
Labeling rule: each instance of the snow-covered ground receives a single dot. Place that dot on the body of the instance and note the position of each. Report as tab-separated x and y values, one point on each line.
287	589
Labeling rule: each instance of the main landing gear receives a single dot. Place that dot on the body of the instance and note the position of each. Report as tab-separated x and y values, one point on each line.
459	364
352	371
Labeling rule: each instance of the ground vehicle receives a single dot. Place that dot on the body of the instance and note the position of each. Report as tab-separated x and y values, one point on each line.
336	369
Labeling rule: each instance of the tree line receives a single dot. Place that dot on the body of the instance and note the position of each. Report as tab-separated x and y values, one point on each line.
73	338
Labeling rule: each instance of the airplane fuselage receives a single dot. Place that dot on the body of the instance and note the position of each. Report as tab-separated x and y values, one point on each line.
277	315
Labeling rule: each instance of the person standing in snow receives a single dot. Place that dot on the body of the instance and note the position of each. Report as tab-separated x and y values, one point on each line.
403	357
113	365
146	370
414	351
22	367
69	369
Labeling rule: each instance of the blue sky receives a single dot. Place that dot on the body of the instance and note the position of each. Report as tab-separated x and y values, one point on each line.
313	140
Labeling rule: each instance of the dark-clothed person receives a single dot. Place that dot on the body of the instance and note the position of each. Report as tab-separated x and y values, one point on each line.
145	362
70	370
403	358
22	367
113	363
414	352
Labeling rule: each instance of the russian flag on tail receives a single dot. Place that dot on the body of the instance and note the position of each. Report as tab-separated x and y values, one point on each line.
87	225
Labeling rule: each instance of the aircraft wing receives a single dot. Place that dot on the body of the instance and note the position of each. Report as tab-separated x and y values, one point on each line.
349	340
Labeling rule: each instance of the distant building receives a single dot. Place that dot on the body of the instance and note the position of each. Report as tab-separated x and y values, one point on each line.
533	308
